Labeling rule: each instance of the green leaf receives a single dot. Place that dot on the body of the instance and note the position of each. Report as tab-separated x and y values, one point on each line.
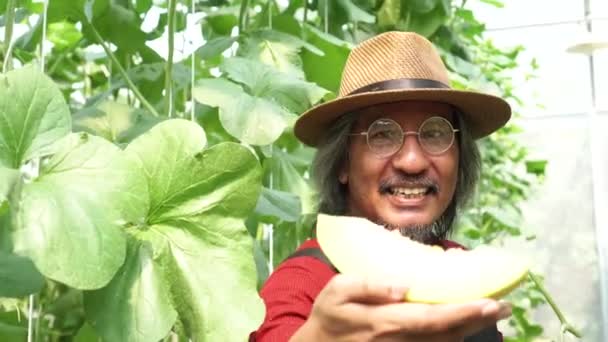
340	13
63	35
420	6
278	50
116	122
129	38
250	119
198	204
425	24
282	174
221	22
69	219
136	304
33	114
180	142
265	82
536	167
215	47
325	70
389	13
18	276
289	235
278	204
59	10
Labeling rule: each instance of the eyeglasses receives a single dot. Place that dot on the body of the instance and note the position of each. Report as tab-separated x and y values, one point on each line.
385	136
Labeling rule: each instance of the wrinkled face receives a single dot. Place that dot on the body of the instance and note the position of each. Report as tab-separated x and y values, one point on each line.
411	187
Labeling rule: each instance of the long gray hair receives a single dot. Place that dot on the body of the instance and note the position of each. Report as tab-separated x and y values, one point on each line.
332	154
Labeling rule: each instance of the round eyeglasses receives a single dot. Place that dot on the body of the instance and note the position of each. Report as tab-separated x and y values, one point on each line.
385	137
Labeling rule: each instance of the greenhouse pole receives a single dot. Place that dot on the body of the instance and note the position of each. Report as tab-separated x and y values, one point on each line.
600	199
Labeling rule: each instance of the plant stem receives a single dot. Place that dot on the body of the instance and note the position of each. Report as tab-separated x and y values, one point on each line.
326	16
305	19
169	65
8	34
44	23
192	73
123	72
270	3
565	325
243	15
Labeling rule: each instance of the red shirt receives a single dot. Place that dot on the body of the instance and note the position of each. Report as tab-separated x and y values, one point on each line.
290	292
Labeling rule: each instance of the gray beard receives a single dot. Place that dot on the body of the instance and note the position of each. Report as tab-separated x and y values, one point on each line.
429	234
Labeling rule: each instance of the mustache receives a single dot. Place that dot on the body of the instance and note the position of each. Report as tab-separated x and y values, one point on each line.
404	180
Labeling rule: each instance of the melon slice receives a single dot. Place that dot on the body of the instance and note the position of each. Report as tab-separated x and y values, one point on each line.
359	247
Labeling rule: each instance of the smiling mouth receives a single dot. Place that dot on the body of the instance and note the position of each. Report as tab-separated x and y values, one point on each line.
410	193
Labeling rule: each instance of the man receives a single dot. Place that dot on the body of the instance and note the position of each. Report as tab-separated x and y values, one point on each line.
396	147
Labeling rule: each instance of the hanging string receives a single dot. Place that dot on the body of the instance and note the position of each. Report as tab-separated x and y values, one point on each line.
42	52
326	16
270	14
36	169
192	71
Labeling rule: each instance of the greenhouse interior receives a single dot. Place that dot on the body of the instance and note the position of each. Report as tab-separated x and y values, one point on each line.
159	174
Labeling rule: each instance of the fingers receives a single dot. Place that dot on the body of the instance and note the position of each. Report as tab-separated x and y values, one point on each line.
347	289
457	319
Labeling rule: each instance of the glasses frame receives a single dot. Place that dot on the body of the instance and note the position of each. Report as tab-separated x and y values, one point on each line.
406	133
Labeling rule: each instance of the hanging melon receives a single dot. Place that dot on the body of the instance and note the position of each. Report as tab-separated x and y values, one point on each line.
359	247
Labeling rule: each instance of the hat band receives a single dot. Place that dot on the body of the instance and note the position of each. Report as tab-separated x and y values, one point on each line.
401	83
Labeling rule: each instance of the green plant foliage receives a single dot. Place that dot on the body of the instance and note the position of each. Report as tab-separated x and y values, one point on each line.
79	221
186	256
18	276
33	115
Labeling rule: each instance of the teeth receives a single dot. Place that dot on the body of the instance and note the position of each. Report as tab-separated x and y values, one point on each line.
409	191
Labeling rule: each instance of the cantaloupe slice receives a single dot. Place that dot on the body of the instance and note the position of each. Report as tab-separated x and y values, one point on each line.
359	247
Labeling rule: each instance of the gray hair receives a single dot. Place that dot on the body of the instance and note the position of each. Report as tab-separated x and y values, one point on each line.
332	154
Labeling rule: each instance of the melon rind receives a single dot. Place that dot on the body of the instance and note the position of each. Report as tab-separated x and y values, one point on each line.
359	247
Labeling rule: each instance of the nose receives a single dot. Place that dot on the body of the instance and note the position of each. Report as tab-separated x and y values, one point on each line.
411	158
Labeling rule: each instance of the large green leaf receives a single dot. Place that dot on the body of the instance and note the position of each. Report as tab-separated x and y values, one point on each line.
33	114
423	23
251	119
263	81
195	240
275	204
69	219
325	70
136	305
18	276
121	26
420	6
283	175
278	50
116	122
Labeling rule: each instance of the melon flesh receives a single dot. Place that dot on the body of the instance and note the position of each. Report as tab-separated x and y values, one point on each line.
359	247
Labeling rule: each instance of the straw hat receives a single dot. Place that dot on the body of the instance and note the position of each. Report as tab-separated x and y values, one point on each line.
398	66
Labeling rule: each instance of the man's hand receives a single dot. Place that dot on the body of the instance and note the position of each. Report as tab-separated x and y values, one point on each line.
351	309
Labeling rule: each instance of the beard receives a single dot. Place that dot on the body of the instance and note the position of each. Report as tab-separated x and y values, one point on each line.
431	233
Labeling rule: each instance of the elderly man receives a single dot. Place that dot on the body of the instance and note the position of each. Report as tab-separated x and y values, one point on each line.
396	147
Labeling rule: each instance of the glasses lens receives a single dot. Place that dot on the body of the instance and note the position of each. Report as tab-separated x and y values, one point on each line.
384	137
436	135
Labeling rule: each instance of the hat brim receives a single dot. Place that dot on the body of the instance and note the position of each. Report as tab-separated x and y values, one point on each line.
483	113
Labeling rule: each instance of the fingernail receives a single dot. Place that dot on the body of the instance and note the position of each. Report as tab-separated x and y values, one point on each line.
490	309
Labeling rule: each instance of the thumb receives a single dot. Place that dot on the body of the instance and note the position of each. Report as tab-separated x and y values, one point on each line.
349	289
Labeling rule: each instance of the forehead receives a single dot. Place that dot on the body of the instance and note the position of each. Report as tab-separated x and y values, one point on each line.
409	114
